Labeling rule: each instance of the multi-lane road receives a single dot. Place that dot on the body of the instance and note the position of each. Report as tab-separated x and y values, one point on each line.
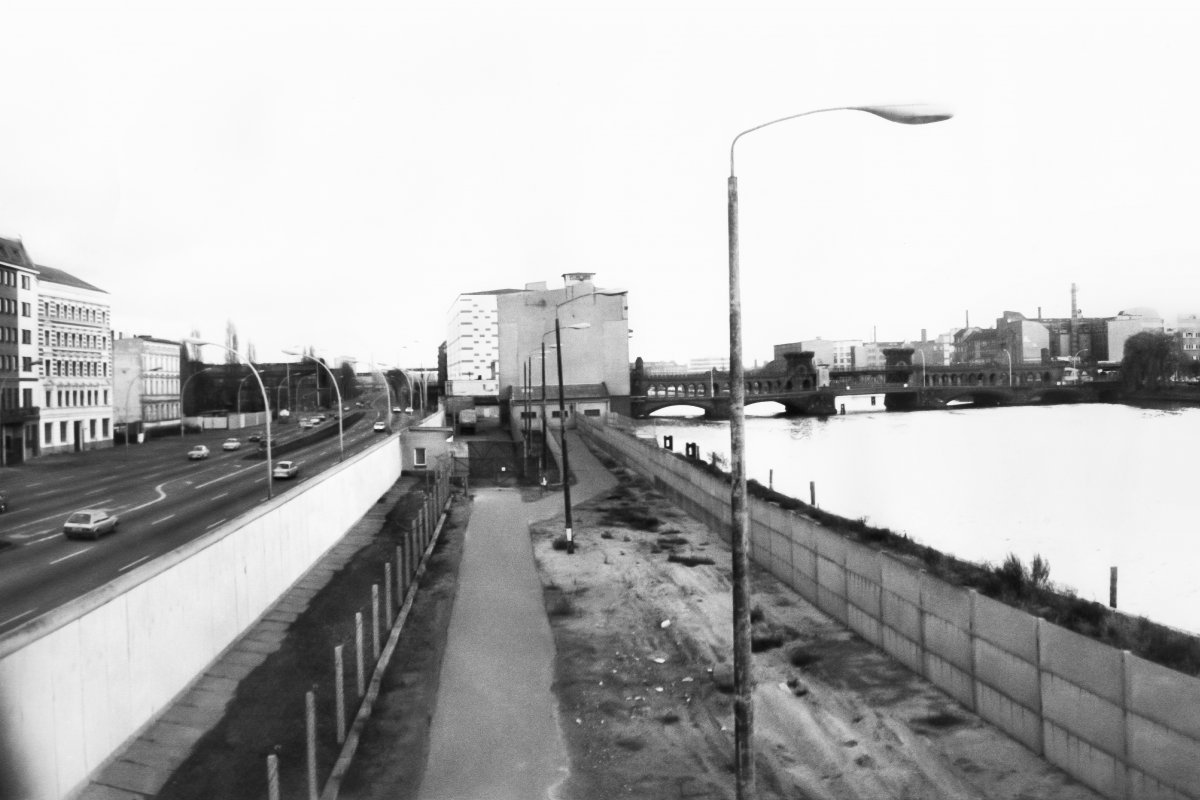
163	501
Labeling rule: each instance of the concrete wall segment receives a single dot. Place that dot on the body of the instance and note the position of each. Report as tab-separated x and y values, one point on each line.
1087	764
148	638
1006	628
1167	757
946	602
1017	720
1007	674
1085	715
1091	665
1166	697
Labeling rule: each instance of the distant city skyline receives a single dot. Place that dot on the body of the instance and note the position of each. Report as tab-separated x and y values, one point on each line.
200	172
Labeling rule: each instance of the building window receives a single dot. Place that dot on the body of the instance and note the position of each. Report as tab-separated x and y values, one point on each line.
104	427
24	281
591	412
49	432
62	431
26	310
419	457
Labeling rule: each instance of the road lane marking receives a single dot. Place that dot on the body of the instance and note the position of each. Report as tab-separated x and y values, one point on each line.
72	555
18	616
215	524
233	474
43	539
161	496
95	491
219	496
133	563
164	519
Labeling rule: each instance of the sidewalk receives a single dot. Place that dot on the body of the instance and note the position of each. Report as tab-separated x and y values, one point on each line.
141	770
495	732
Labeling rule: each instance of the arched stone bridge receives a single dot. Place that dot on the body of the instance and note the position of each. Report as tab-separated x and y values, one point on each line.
794	383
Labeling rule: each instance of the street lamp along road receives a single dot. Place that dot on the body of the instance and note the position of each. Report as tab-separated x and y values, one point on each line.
562	426
183	396
341	444
743	717
125	403
266	403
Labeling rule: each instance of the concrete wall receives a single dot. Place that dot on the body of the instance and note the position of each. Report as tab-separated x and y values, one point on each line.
1123	726
79	682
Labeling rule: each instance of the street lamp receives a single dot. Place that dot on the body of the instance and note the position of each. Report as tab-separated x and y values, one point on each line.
562	424
183	396
740	534
1007	353
542	412
341	443
388	389
125	403
266	404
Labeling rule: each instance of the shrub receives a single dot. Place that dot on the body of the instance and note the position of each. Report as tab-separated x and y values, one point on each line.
1039	572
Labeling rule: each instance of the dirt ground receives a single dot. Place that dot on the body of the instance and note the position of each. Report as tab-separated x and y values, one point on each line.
644	680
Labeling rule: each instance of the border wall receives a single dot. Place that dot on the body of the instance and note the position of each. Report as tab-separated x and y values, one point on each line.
1126	727
79	682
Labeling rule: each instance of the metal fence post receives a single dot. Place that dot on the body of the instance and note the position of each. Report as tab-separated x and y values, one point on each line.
339	693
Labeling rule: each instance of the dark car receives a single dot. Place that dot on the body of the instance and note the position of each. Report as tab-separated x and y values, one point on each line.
254	437
3	502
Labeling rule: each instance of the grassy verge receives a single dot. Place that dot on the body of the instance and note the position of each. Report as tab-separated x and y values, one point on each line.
1012	583
267	715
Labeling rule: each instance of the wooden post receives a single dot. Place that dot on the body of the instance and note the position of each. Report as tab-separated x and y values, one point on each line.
358	649
1112	587
771	480
812	493
399	575
310	744
272	777
339	692
387	595
374	623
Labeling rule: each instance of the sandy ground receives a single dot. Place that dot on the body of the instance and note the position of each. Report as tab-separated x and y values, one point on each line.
643	681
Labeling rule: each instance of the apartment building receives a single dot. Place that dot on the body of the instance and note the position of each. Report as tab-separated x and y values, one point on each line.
473	344
19	365
145	384
75	341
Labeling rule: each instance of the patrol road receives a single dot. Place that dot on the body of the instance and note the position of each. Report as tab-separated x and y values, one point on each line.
163	501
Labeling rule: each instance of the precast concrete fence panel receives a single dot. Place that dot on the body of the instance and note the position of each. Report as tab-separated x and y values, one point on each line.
80	681
1126	727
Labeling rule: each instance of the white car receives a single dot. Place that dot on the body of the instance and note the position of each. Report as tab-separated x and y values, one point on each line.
232	444
305	422
89	522
198	452
285	469
380	426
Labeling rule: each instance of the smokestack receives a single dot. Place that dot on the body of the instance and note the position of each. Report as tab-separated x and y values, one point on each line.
874	333
1074	304
968	313
923	337
1039	312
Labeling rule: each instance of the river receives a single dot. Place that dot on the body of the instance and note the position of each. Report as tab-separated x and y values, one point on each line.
1087	487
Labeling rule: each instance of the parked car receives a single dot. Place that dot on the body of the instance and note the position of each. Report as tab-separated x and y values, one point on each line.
408	410
89	522
198	452
232	444
285	469
305	422
397	410
3	502
380	426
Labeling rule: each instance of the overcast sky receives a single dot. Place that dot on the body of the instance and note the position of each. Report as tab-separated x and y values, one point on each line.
335	174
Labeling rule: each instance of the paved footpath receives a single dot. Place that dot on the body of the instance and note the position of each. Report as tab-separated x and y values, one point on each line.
147	763
495	733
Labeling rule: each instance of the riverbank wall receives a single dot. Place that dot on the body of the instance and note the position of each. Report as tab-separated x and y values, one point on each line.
1124	726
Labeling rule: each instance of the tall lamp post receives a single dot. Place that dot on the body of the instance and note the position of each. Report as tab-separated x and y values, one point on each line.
318	362
388	389
125	404
183	396
266	404
740	533
562	424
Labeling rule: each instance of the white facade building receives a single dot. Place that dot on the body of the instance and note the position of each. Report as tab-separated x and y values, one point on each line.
145	383
19	370
473	344
75	342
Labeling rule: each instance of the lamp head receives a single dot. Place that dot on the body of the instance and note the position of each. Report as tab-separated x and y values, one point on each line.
909	114
578	326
